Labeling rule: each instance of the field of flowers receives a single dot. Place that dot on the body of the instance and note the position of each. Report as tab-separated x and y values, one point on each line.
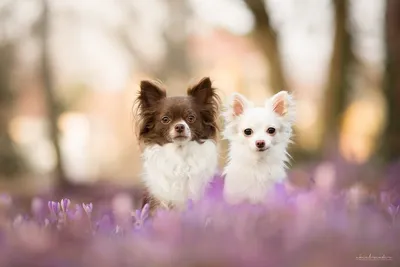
318	227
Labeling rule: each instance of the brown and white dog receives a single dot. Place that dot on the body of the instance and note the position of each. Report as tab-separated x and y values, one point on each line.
178	135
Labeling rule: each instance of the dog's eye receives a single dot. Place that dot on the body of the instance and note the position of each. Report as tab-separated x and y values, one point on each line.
248	132
165	120
271	130
191	118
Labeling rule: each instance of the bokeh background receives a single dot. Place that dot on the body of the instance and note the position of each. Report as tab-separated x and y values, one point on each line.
70	69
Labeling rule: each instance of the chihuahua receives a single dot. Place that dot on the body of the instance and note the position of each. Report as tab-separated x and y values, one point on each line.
258	140
178	136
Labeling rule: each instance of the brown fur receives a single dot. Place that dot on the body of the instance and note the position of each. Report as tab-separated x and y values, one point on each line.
153	104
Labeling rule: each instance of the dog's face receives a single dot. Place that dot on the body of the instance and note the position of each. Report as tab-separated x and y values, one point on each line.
179	119
260	128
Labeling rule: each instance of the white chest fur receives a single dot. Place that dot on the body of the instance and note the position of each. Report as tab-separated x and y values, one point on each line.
174	173
249	177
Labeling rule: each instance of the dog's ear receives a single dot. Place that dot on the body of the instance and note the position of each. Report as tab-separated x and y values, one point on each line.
202	91
150	94
238	104
280	103
283	105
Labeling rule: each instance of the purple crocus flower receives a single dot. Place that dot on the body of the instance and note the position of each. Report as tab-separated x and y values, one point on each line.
215	189
75	214
88	208
393	211
141	216
54	207
65	203
137	214
105	225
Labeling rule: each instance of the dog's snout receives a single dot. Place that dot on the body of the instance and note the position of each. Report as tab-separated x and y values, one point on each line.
179	128
260	143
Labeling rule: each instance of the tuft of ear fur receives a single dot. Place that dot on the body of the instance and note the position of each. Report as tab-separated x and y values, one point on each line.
202	91
149	95
237	104
206	97
283	105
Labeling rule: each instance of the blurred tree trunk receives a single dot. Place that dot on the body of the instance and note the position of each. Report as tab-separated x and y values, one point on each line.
174	68
338	82
11	163
266	38
391	145
53	107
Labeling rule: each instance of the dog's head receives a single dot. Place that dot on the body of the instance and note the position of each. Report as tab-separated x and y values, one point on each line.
260	128
163	119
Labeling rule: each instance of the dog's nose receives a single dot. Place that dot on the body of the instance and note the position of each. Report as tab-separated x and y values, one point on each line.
179	128
260	143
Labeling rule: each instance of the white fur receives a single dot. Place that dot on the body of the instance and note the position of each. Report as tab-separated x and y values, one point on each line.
249	173
175	173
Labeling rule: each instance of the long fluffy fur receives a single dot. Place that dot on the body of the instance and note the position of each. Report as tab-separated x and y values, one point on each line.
176	171
250	173
142	114
210	109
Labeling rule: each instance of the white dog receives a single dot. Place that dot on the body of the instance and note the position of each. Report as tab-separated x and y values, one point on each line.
258	140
